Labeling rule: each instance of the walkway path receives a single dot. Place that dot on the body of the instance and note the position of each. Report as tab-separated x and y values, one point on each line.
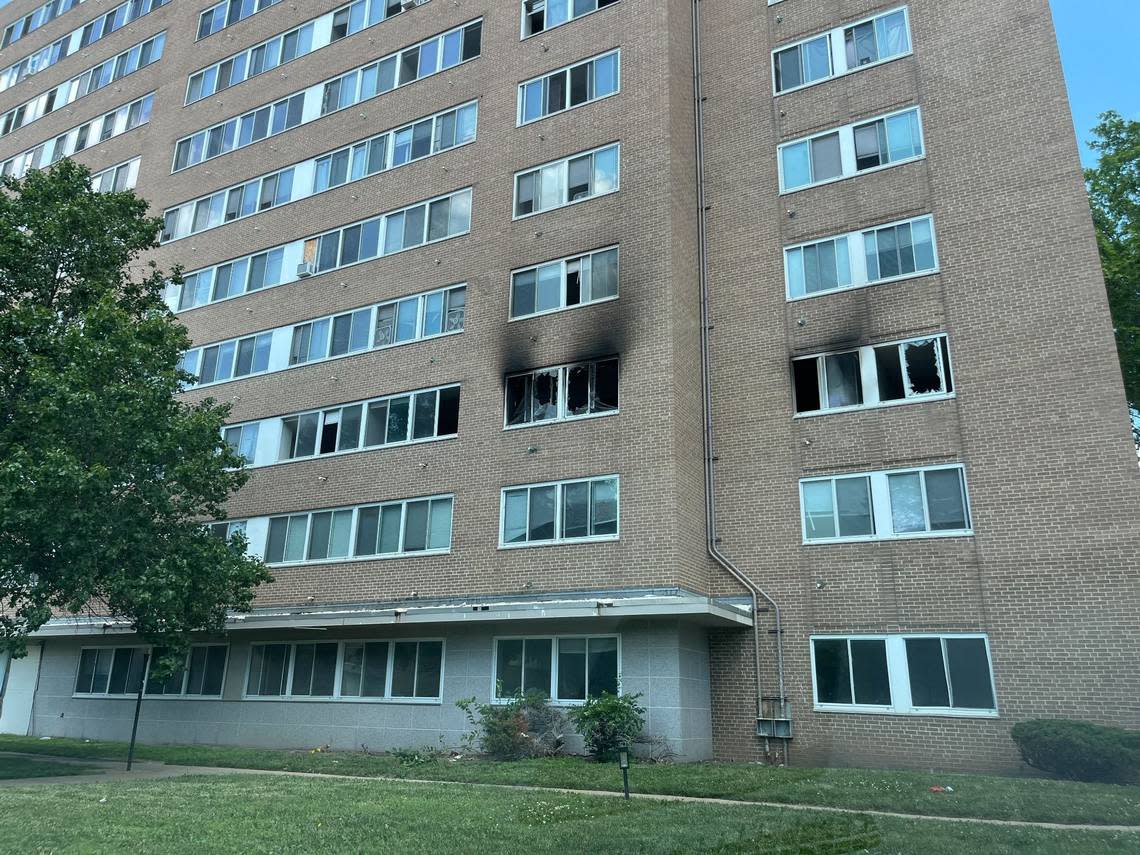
149	770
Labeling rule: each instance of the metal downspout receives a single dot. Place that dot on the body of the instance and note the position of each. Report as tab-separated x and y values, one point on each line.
706	384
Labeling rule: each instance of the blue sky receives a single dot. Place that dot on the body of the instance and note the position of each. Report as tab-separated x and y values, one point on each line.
1102	62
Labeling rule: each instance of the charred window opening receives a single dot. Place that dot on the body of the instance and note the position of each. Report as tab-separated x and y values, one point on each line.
916	369
565	392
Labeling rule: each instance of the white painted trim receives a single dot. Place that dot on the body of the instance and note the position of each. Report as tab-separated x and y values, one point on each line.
557	540
554	664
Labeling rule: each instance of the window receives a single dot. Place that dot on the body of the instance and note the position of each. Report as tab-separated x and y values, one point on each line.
564	182
414	318
881	254
123	671
541	15
390	529
859	45
560	512
347	670
69	44
445	130
414	417
566	88
566	669
360	84
283	48
91	80
878	505
904	674
913	370
242	439
565	283
226	530
117	178
851	150
425	222
228	13
565	392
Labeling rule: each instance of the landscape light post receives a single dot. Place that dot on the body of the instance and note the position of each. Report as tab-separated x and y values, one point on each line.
623	764
138	707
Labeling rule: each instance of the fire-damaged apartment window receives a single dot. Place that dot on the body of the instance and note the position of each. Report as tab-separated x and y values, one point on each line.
907	674
564	392
926	502
899	372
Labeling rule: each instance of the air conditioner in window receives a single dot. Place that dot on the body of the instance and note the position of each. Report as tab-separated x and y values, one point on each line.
306	269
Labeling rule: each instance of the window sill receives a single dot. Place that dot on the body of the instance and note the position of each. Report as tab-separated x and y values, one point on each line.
546	312
518	217
605	538
293	699
359	558
563	420
924	535
904	278
883	405
82	696
913	711
839	76
858	174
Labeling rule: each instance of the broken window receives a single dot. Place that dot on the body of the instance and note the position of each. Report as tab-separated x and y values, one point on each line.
873	375
565	392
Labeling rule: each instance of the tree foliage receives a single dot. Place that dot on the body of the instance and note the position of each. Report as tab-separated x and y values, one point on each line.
1114	192
105	476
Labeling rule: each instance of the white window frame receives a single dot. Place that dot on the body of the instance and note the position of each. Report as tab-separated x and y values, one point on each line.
563	372
523	35
337	697
356	509
847	150
901	701
563	262
497	699
521	89
564	164
857	257
837	50
304	175
558	540
262	5
150	650
881	518
870	381
282	338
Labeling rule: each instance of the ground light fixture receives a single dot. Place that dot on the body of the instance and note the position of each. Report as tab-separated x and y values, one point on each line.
623	764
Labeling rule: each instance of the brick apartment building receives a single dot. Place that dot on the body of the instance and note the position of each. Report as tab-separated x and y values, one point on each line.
783	392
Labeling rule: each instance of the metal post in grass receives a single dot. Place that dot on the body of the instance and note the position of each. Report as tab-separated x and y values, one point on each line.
623	764
138	708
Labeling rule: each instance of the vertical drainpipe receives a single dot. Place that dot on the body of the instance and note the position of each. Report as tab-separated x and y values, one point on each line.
756	592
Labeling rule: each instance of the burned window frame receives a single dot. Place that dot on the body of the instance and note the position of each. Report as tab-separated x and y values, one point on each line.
870	375
595	408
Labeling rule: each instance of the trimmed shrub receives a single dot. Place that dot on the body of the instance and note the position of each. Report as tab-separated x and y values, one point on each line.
524	726
1080	750
608	723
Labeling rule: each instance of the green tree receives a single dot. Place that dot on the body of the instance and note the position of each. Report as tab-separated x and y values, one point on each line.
1114	192
105	476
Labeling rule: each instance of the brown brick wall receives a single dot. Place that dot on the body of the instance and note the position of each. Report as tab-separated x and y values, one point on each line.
1038	418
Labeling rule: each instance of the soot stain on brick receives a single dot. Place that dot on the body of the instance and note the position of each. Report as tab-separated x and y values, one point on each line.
519	350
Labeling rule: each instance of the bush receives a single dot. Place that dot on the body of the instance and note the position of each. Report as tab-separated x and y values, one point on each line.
1080	750
525	726
608	723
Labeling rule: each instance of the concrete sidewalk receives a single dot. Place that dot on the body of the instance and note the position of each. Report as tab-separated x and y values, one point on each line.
150	770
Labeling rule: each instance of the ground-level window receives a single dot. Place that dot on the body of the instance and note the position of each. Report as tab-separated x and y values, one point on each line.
911	674
122	671
569	668
346	670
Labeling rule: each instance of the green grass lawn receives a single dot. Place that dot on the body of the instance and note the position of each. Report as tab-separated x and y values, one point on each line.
252	814
26	767
906	792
